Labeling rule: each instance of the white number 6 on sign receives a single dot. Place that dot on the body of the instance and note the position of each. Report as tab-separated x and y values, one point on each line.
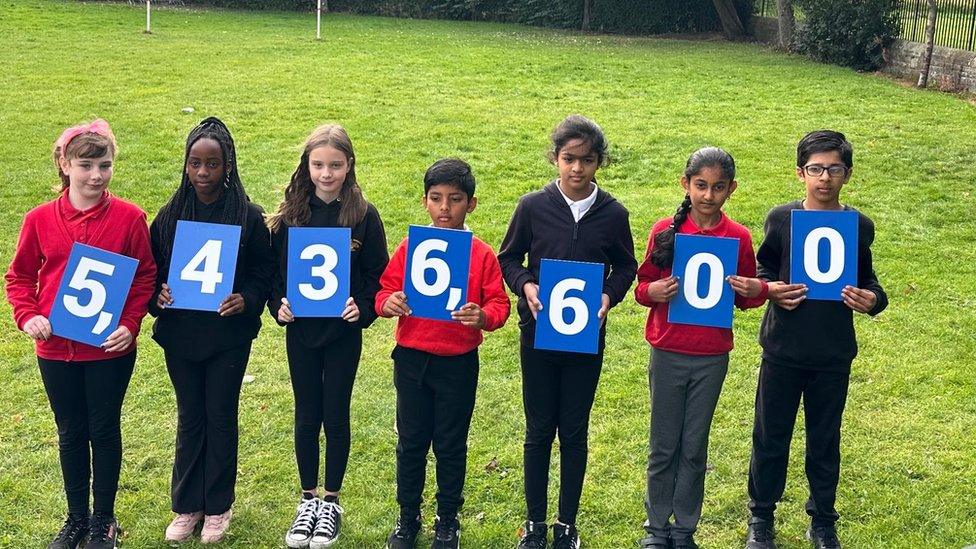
442	273
80	281
330	284
208	276
559	302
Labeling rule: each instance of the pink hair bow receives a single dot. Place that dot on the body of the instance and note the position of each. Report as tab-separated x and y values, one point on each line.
97	126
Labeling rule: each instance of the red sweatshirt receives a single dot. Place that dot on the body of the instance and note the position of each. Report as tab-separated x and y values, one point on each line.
684	338
444	337
46	237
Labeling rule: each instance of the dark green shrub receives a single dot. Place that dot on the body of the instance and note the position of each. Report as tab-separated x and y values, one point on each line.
851	33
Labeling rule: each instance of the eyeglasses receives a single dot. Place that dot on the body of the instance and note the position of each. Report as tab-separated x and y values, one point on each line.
834	170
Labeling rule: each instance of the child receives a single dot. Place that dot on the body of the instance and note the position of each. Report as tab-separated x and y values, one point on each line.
688	363
808	348
206	352
323	353
85	385
435	364
570	218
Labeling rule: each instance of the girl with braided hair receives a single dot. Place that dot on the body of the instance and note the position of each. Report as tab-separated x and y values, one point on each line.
207	352
688	363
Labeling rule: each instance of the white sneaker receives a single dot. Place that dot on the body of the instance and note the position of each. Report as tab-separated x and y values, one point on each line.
327	526
306	515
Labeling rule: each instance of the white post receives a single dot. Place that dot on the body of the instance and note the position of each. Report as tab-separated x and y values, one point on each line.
148	25
318	21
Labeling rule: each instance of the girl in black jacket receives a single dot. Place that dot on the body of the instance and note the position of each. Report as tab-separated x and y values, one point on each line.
207	352
571	219
323	353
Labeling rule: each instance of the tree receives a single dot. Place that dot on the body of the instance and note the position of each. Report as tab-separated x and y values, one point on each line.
731	23
784	15
587	13
923	77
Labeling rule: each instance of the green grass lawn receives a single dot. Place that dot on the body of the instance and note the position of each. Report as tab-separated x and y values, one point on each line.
413	91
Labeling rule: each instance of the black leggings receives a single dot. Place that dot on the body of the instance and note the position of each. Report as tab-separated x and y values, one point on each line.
557	392
86	398
208	393
322	379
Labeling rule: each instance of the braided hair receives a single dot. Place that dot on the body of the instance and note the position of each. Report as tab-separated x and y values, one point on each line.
181	204
707	157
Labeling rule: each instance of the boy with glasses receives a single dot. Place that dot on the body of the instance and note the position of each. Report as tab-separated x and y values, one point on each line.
808	348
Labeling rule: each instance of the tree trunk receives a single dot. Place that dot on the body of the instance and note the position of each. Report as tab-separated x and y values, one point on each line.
587	13
784	15
325	5
923	77
731	24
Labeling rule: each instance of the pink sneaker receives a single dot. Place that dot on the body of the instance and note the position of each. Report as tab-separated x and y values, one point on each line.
183	526
215	526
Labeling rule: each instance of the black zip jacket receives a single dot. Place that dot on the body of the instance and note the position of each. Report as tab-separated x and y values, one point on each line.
196	335
543	227
369	258
817	335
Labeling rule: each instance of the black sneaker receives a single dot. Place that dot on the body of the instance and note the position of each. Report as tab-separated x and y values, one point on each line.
565	536
104	532
447	533
684	543
74	530
327	526
532	535
823	537
760	534
650	541
404	536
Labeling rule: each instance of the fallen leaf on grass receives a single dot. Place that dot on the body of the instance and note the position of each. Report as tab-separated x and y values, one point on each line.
248	379
492	465
17	418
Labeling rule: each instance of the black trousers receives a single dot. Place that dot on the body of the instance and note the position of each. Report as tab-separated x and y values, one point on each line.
86	398
435	400
322	379
207	396
778	396
557	392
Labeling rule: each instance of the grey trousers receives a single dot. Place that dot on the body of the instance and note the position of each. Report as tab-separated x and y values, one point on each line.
684	393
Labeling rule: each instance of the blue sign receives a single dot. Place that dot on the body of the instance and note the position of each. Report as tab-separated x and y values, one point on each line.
436	277
571	293
91	295
203	264
318	270
823	252
702	264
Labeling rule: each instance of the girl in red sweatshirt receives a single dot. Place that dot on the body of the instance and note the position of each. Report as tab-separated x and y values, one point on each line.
85	385
688	363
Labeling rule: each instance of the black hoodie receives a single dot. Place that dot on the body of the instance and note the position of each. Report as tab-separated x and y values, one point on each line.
817	335
543	227
369	258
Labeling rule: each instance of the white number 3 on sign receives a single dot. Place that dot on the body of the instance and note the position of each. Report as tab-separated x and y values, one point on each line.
330	283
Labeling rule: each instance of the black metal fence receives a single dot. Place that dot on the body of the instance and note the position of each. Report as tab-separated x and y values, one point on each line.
955	25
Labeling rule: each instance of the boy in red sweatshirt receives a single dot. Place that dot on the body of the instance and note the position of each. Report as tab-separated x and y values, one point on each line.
435	364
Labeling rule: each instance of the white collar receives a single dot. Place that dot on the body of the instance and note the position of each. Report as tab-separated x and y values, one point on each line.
581	204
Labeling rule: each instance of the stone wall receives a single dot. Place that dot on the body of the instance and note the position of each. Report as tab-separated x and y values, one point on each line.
952	70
